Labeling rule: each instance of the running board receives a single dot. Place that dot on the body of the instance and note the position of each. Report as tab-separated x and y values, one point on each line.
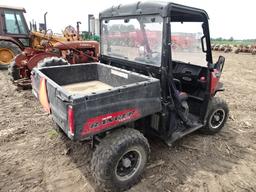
179	134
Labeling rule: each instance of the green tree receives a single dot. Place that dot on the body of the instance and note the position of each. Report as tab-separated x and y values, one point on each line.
231	39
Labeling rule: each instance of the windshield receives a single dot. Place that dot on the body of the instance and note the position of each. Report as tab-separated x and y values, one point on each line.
136	39
186	42
14	22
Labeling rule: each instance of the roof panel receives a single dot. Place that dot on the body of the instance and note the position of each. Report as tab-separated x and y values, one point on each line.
12	7
154	7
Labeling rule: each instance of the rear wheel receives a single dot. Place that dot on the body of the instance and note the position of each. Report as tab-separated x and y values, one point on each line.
13	71
52	61
8	51
120	159
216	116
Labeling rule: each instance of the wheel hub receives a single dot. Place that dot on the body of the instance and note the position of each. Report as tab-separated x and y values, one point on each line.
6	56
128	165
217	118
126	162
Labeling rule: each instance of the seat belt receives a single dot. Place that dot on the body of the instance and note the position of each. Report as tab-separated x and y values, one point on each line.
176	101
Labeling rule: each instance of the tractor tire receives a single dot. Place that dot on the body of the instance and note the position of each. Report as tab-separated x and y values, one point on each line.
52	61
217	116
120	159
13	71
8	51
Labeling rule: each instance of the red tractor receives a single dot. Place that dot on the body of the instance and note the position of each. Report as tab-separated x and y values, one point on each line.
22	49
183	40
50	50
61	53
15	35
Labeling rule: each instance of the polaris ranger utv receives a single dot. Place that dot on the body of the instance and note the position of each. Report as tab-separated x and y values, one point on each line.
156	76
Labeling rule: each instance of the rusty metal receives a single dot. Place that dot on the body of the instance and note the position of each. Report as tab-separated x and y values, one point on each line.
43	45
34	60
72	51
23	84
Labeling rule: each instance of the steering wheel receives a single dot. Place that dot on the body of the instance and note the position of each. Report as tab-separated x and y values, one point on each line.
69	31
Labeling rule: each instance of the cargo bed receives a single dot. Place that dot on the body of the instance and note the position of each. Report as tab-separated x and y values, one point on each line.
86	99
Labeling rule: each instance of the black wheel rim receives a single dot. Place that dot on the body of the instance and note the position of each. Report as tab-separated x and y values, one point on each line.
217	118
128	164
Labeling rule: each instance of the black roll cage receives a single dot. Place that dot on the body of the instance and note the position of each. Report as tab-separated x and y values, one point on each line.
170	12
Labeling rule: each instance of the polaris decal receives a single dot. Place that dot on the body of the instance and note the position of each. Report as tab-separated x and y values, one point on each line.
98	123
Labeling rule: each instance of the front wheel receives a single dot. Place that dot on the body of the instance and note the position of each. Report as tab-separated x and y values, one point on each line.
216	116
8	51
120	159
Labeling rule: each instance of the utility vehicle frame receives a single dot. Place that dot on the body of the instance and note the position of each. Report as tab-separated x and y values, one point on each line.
153	89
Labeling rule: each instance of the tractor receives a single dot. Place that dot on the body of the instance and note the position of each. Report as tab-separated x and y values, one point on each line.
22	49
51	53
15	35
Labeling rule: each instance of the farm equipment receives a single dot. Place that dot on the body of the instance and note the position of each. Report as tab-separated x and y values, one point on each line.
136	90
15	35
235	48
59	53
25	49
183	40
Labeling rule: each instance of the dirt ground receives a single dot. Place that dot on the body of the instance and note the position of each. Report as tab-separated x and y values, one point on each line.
34	157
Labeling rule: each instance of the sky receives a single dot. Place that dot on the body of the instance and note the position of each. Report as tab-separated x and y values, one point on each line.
227	18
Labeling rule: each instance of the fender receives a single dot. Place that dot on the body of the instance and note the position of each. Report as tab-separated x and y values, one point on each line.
33	61
13	40
29	59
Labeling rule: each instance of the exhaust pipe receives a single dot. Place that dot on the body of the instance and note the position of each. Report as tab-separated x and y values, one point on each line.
78	30
45	26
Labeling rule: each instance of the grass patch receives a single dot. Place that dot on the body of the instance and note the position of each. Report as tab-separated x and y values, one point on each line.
234	42
53	134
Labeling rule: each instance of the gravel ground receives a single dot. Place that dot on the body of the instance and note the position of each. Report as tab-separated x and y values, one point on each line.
34	157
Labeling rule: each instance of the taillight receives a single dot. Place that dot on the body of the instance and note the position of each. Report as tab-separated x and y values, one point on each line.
71	120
